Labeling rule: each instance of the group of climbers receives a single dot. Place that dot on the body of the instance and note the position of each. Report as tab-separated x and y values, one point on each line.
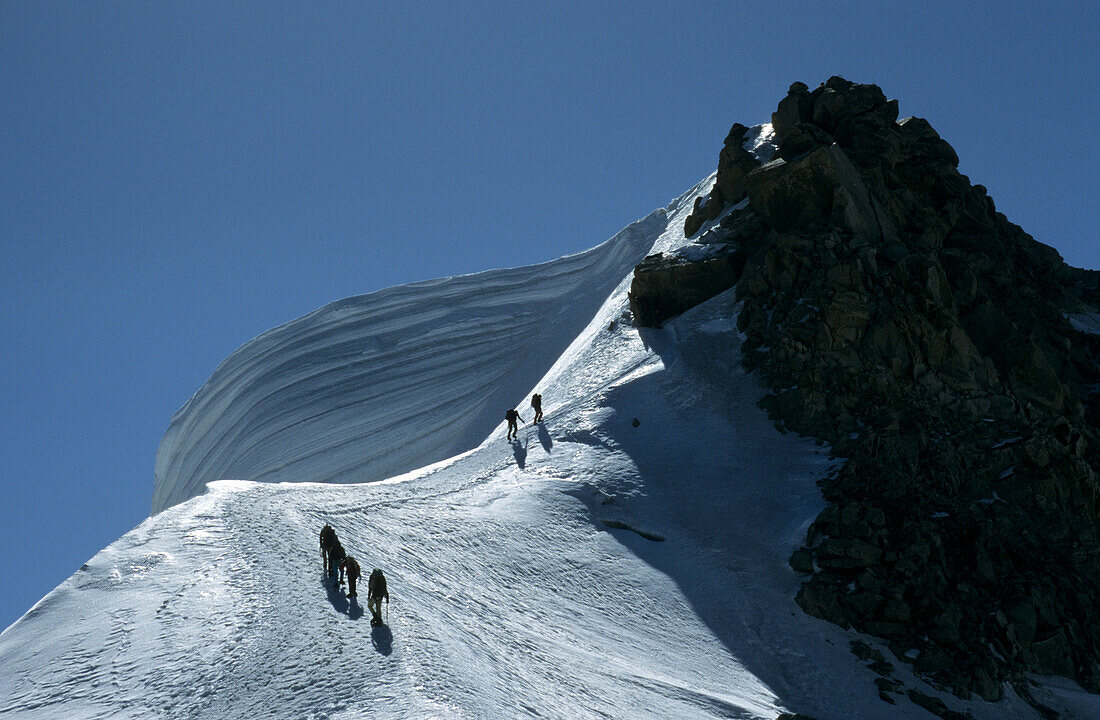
335	560
338	564
511	415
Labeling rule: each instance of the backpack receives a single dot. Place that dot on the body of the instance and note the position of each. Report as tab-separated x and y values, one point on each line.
328	536
376	585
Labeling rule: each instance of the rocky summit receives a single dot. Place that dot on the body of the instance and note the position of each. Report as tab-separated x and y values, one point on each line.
892	312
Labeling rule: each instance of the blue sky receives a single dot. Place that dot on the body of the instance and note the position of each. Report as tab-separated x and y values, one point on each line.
176	178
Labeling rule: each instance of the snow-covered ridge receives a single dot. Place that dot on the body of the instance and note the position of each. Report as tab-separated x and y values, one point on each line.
376	385
627	558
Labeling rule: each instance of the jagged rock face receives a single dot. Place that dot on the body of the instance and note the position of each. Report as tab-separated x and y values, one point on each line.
819	189
734	165
900	317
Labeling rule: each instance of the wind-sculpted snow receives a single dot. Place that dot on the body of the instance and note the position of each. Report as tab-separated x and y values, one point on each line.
376	385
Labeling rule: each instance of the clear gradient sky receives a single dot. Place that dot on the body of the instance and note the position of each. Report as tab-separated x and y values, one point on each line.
177	177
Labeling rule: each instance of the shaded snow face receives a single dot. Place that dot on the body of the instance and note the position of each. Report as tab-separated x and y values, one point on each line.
373	386
1085	322
377	385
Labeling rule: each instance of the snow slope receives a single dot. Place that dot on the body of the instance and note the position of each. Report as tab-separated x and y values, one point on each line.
1085	322
380	384
595	568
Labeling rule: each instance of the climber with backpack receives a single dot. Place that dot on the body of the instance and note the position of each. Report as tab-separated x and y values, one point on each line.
376	591
336	555
351	567
328	539
536	405
511	416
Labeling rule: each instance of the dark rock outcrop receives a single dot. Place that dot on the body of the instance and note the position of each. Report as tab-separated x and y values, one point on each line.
666	285
734	165
819	190
797	107
894	313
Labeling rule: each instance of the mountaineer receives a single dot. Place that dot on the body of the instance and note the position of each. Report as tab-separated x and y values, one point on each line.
511	416
376	591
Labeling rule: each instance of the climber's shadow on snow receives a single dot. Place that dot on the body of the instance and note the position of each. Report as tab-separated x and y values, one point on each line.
336	595
544	438
382	639
355	610
520	451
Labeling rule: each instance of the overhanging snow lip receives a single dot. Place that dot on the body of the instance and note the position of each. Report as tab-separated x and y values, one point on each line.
601	266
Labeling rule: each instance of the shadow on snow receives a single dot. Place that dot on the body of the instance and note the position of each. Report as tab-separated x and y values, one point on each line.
382	639
544	438
355	610
520	451
336	595
718	476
